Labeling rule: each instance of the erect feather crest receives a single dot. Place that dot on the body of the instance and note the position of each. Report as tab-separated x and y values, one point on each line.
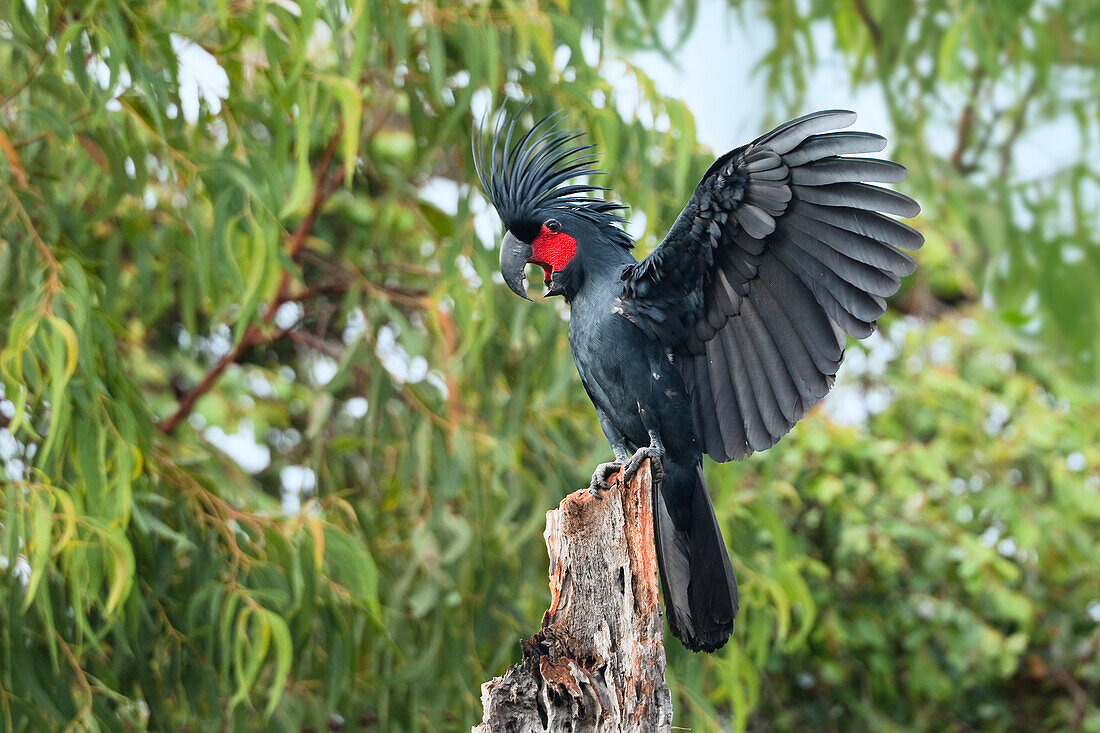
524	181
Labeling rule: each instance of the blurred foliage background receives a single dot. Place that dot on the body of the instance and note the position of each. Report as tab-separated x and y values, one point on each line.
277	445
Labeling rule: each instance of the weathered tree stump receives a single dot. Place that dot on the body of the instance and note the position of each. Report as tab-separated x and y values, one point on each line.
598	662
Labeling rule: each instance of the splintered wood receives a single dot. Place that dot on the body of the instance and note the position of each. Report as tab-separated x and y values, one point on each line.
598	662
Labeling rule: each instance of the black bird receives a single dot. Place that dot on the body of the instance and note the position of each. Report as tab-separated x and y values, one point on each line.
724	336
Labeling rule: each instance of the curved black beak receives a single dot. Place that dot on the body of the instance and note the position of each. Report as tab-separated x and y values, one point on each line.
514	255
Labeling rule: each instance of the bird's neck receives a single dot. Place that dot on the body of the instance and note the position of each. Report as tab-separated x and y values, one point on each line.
598	271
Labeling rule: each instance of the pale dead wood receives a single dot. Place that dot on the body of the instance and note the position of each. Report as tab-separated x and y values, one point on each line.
598	662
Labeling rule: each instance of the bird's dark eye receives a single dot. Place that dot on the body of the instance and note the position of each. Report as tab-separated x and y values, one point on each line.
553	225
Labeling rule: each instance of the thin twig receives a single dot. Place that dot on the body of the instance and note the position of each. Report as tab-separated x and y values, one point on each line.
966	122
336	286
1017	126
50	133
11	94
317	344
53	277
983	145
872	27
416	298
81	680
218	511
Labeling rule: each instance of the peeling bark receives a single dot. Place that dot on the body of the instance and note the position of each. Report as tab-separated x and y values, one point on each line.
598	662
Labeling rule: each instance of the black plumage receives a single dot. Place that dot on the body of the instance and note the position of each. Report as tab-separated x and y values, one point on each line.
523	180
722	338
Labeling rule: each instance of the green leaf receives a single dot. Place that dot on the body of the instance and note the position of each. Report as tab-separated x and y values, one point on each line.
284	657
351	113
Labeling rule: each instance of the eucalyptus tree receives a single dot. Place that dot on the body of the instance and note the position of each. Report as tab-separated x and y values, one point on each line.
277	448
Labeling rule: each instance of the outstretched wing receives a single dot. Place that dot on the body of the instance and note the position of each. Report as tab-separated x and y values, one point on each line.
782	249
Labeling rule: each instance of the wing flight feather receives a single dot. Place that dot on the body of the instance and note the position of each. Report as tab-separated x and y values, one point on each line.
783	248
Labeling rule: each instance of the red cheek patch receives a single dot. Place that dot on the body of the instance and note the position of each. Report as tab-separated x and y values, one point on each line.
552	250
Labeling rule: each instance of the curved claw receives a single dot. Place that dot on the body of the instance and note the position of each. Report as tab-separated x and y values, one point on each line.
599	478
654	454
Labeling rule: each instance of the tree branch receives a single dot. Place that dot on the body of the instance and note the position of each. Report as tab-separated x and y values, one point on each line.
598	662
872	27
966	122
324	186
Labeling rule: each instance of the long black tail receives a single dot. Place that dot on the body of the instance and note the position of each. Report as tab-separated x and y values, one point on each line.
696	576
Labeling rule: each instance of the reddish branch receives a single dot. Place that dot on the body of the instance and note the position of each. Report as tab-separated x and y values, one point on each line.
325	184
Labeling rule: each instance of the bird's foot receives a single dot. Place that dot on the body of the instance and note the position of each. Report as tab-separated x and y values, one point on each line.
599	478
655	454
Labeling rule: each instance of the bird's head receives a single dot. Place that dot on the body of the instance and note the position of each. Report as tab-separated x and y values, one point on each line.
549	224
